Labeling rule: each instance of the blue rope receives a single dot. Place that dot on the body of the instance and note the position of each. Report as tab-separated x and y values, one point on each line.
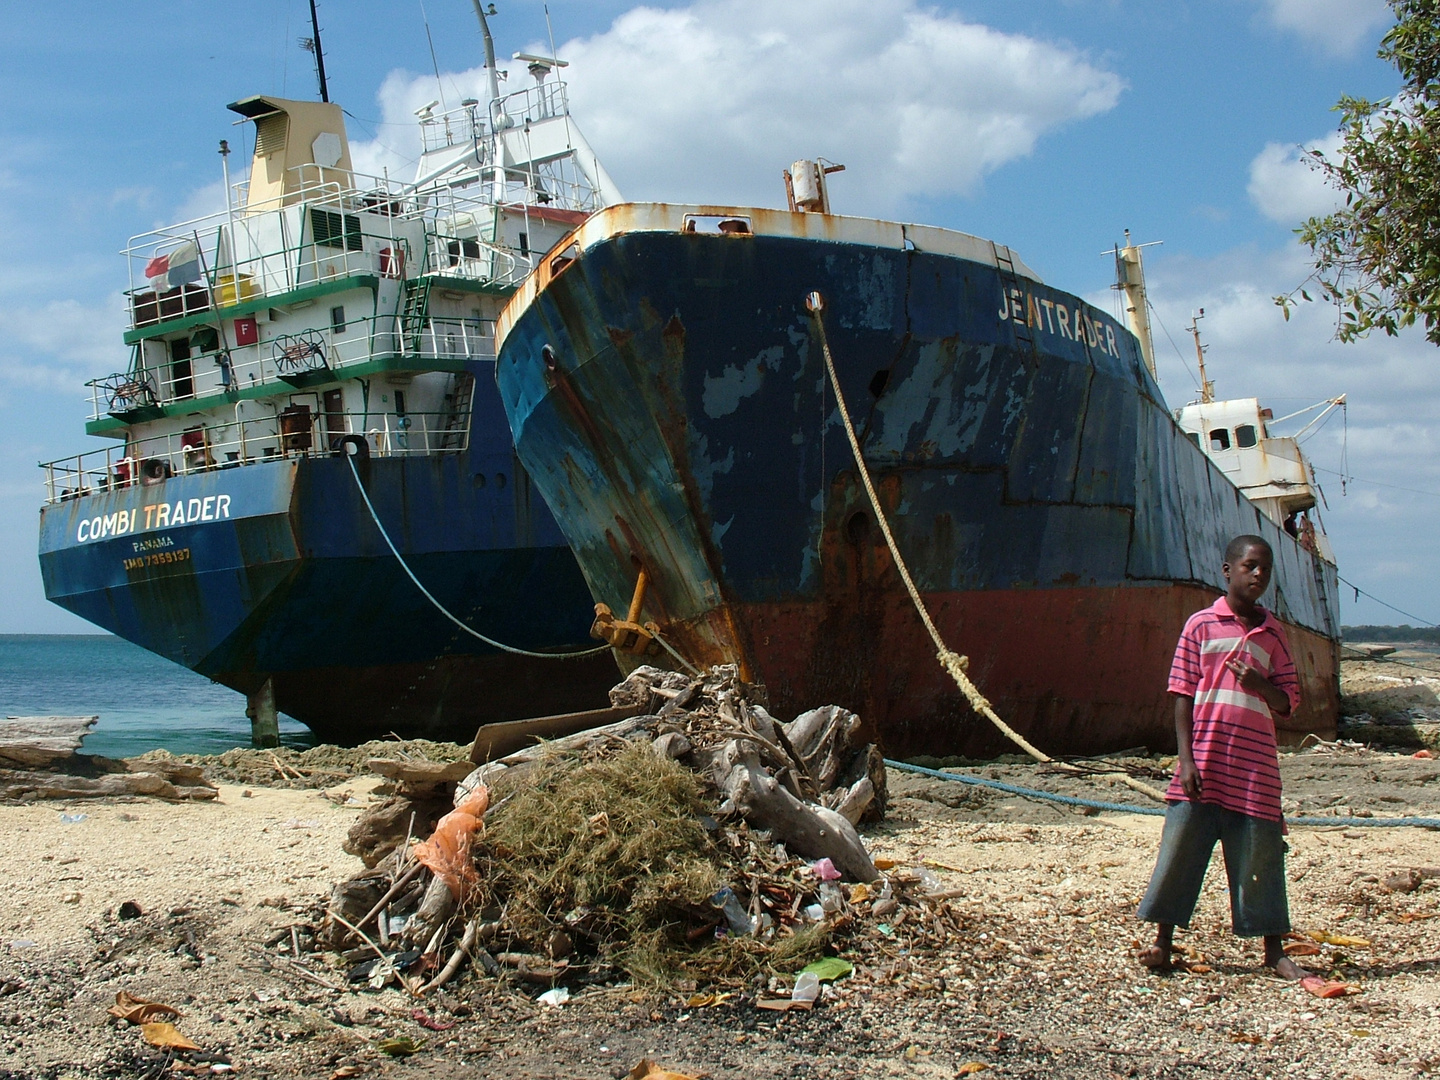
1151	811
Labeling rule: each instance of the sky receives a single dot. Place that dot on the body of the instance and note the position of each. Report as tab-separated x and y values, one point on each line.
1050	126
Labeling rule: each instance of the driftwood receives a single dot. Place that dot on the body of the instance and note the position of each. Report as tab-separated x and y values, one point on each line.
28	785
29	742
808	830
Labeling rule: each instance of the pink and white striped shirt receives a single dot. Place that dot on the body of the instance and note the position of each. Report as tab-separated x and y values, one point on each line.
1233	737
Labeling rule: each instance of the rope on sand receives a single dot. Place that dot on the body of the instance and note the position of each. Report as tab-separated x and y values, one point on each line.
1154	811
951	661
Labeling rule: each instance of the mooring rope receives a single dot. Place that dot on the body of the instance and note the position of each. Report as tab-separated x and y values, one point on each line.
350	460
1152	811
951	661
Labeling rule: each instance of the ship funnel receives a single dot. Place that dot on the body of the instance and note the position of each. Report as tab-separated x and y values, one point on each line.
298	144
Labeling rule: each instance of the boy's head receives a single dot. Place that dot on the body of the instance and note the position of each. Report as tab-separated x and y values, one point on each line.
1249	561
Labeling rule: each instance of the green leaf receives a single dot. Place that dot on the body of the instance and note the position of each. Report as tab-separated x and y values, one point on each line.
829	969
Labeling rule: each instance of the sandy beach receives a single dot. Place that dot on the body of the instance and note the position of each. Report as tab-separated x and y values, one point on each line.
1031	973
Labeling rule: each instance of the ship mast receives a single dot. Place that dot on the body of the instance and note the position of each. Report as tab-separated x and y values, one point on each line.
1207	388
1130	278
314	47
498	119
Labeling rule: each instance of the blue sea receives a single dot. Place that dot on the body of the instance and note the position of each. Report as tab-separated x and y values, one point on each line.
144	701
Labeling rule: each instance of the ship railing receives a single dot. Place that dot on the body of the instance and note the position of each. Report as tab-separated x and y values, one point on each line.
472	123
470	257
296	432
322	230
279	359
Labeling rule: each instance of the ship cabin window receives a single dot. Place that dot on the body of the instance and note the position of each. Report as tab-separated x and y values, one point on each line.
525	244
1245	436
462	249
399	402
336	230
1193	436
1219	439
337	319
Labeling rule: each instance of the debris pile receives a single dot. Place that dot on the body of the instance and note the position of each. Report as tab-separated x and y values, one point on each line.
40	759
700	831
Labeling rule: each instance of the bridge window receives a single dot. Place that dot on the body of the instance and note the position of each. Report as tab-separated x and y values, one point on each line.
1219	439
1245	436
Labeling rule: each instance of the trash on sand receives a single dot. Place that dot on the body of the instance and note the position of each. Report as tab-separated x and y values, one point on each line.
555	997
1424	755
883	863
425	1020
729	905
783	1004
807	987
831	899
166	1035
704	1001
72	819
399	1046
447	852
814	912
829	969
825	870
971	1067
1327	988
139	1011
648	1070
1324	937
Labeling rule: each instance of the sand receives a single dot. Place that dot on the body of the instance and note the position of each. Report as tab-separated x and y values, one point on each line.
1039	982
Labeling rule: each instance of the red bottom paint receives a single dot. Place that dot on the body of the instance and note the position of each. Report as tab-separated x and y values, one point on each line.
1075	670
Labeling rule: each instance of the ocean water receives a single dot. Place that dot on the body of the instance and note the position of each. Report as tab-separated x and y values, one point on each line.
144	701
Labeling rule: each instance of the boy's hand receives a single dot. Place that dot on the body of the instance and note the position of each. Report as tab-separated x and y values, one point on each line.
1254	680
1189	778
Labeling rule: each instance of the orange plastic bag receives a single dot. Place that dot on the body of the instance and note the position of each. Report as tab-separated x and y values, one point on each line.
447	852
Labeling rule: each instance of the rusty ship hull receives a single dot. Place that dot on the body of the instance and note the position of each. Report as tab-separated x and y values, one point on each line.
666	391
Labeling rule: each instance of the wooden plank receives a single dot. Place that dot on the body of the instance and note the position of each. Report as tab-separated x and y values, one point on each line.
31	741
498	740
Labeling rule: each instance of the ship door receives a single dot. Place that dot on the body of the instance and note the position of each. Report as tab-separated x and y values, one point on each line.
335	425
182	380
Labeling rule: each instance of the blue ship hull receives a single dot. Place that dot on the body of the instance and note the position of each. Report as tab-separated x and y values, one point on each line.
668	397
276	570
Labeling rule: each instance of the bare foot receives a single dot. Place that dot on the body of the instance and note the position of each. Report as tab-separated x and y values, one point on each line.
1156	958
1287	968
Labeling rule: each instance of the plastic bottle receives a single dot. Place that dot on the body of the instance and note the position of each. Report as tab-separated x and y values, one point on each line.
735	915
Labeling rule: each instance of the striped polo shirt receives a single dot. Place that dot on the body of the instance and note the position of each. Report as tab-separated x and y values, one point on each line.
1234	734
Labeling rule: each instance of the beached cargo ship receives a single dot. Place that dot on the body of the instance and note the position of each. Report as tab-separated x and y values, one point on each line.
327	326
665	385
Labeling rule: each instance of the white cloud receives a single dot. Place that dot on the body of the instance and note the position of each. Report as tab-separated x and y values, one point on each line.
1284	185
57	346
1383	536
710	102
1335	27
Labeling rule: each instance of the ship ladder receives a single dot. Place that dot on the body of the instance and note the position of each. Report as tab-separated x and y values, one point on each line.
457	418
951	661
1010	291
414	313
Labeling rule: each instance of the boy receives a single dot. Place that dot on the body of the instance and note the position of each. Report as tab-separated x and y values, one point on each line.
1231	676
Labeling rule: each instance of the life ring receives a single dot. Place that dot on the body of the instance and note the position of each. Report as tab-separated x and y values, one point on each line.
354	446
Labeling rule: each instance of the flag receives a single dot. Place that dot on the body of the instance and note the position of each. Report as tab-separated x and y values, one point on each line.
174	268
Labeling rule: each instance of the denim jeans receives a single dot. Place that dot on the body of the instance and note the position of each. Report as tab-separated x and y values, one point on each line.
1254	864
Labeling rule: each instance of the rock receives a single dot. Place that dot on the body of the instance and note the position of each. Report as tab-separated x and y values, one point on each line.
672	745
378	832
352	901
1405	882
